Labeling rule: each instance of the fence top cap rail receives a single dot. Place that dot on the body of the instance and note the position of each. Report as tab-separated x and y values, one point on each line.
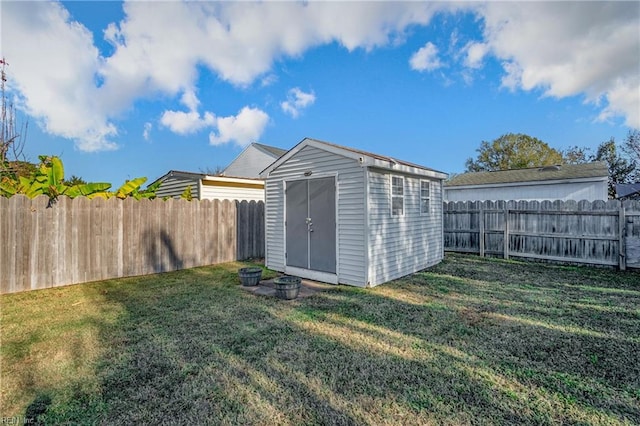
546	205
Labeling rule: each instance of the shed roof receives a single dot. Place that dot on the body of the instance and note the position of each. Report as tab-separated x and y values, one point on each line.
597	169
365	157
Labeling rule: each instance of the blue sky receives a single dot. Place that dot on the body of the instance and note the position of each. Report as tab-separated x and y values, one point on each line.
121	90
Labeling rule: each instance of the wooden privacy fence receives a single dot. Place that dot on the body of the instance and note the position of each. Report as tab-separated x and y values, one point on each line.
599	232
80	240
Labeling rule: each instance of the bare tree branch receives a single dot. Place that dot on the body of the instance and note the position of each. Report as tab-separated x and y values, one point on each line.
13	135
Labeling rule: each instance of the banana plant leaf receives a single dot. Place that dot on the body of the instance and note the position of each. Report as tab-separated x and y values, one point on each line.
130	187
56	171
87	189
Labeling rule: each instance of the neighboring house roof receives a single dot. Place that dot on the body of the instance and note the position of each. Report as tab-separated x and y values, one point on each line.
188	175
206	177
276	152
624	190
597	169
364	157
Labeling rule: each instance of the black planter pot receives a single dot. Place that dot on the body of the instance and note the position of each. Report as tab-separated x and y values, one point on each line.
287	287
250	276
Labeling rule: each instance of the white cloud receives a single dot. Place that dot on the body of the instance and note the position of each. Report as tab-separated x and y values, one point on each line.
268	80
75	92
511	80
244	128
240	40
623	100
568	49
184	123
53	65
187	122
190	100
297	100
475	53
426	58
146	133
562	48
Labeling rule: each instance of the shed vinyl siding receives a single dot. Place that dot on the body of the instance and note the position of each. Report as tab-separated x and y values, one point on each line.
249	163
231	193
350	209
390	236
174	186
274	225
590	191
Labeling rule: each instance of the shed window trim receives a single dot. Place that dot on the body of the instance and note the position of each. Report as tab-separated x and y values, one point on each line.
396	195
425	197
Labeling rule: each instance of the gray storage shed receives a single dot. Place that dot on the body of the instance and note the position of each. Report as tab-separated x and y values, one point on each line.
341	215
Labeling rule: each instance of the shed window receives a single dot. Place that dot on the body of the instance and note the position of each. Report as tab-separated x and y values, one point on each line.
425	196
397	196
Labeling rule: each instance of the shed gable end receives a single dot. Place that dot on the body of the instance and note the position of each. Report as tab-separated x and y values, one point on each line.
308	163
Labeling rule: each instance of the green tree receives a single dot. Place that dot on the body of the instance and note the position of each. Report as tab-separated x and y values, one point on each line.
513	151
75	180
631	147
621	169
576	155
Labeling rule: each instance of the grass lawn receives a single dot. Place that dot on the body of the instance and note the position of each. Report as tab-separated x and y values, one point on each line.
470	341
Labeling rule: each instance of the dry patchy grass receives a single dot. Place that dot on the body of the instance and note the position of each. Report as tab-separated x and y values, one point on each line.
470	341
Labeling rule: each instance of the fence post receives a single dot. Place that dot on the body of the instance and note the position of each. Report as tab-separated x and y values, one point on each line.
622	255
506	231
481	228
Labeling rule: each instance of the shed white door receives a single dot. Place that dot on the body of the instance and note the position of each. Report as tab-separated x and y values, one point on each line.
311	224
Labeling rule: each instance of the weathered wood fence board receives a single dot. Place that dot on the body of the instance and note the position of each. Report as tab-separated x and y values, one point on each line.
81	240
250	229
601	233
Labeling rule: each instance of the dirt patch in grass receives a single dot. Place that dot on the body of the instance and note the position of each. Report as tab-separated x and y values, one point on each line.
470	341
